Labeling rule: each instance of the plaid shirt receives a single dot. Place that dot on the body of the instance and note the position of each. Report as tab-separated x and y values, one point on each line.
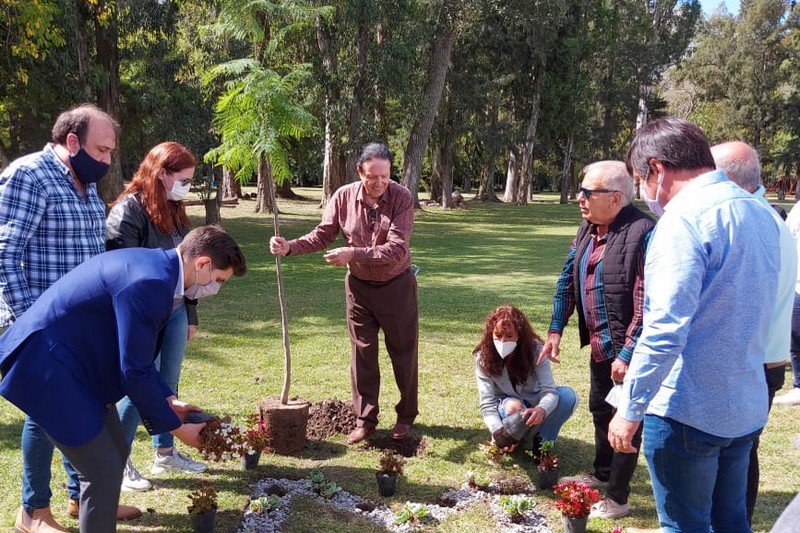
46	229
594	306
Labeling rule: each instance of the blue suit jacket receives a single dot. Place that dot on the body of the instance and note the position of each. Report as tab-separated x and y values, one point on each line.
89	340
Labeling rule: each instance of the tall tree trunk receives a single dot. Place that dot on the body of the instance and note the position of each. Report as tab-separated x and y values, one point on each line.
448	153
265	179
354	123
231	188
333	167
285	190
107	53
379	113
526	177
83	48
436	172
641	111
566	169
512	177
438	64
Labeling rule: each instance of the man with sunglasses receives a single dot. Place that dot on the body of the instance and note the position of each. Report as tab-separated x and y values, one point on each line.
603	280
375	216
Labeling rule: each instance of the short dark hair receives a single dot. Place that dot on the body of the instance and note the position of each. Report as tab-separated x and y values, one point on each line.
76	120
213	242
374	150
675	142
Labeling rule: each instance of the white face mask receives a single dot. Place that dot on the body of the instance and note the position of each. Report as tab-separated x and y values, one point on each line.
179	191
504	348
652	203
196	291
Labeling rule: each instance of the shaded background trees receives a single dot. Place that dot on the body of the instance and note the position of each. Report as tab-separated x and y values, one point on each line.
503	97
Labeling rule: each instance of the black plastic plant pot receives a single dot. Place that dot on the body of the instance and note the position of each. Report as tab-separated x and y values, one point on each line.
386	484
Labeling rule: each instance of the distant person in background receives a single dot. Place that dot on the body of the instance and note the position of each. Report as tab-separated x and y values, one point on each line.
375	217
602	281
740	163
510	383
150	213
697	373
793	396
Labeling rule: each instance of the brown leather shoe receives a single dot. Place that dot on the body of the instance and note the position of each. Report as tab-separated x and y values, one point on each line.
124	512
400	431
41	521
359	434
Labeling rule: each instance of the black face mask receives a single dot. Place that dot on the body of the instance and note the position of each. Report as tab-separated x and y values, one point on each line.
87	168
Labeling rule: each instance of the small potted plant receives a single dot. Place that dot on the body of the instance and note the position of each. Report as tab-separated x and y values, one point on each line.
548	466
390	466
203	509
574	499
256	437
222	440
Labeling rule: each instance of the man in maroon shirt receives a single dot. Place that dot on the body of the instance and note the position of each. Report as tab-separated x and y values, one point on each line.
375	217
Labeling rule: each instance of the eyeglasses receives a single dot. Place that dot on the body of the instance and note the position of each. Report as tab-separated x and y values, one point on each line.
372	213
586	193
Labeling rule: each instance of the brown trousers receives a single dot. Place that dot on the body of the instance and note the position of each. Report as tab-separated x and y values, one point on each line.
392	307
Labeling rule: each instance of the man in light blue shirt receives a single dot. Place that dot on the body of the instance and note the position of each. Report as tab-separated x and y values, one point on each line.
696	378
740	163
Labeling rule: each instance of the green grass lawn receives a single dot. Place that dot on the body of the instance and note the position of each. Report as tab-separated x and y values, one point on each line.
470	261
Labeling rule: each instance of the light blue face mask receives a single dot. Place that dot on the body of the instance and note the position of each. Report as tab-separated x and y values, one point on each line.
196	291
652	203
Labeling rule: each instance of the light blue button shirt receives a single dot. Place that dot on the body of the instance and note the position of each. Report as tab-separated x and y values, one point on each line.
710	290
779	337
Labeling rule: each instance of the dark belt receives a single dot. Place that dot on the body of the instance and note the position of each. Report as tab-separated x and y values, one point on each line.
372	283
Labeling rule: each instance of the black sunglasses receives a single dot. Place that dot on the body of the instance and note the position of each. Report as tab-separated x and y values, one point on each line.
586	193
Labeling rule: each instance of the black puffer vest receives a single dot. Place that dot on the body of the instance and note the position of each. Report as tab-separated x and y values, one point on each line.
620	261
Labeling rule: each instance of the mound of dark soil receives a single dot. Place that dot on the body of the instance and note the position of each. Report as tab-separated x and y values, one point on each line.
408	447
327	418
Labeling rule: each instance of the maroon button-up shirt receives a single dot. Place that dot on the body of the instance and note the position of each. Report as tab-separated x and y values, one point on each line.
380	236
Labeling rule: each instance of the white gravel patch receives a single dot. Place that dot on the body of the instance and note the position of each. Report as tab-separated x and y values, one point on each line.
462	497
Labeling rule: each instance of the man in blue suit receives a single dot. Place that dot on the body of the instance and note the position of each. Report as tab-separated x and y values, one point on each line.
91	339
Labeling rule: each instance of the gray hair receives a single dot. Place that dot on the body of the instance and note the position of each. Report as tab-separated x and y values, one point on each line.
740	162
612	175
374	150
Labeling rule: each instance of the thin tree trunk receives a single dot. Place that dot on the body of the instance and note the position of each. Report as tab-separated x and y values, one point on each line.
436	172
83	48
354	124
379	112
438	65
566	170
512	176
530	137
332	167
265	196
107	53
641	112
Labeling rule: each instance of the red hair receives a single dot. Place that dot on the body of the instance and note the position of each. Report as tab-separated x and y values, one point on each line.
519	363
165	214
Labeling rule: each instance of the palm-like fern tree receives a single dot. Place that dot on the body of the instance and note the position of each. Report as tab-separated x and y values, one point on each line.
259	111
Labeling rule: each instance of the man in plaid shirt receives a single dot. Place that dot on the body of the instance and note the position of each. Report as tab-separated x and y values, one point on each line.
51	220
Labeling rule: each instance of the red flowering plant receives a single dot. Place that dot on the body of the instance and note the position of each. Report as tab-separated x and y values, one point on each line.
575	498
257	434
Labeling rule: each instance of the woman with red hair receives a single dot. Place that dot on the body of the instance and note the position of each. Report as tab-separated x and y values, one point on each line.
518	400
150	213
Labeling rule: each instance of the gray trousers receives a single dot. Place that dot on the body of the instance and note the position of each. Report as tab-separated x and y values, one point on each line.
100	464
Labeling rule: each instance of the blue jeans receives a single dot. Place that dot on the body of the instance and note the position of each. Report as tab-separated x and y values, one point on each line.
567	402
699	479
168	363
37	454
794	351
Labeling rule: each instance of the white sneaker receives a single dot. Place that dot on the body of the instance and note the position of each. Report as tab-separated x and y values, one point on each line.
589	479
790	398
132	480
608	508
176	462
